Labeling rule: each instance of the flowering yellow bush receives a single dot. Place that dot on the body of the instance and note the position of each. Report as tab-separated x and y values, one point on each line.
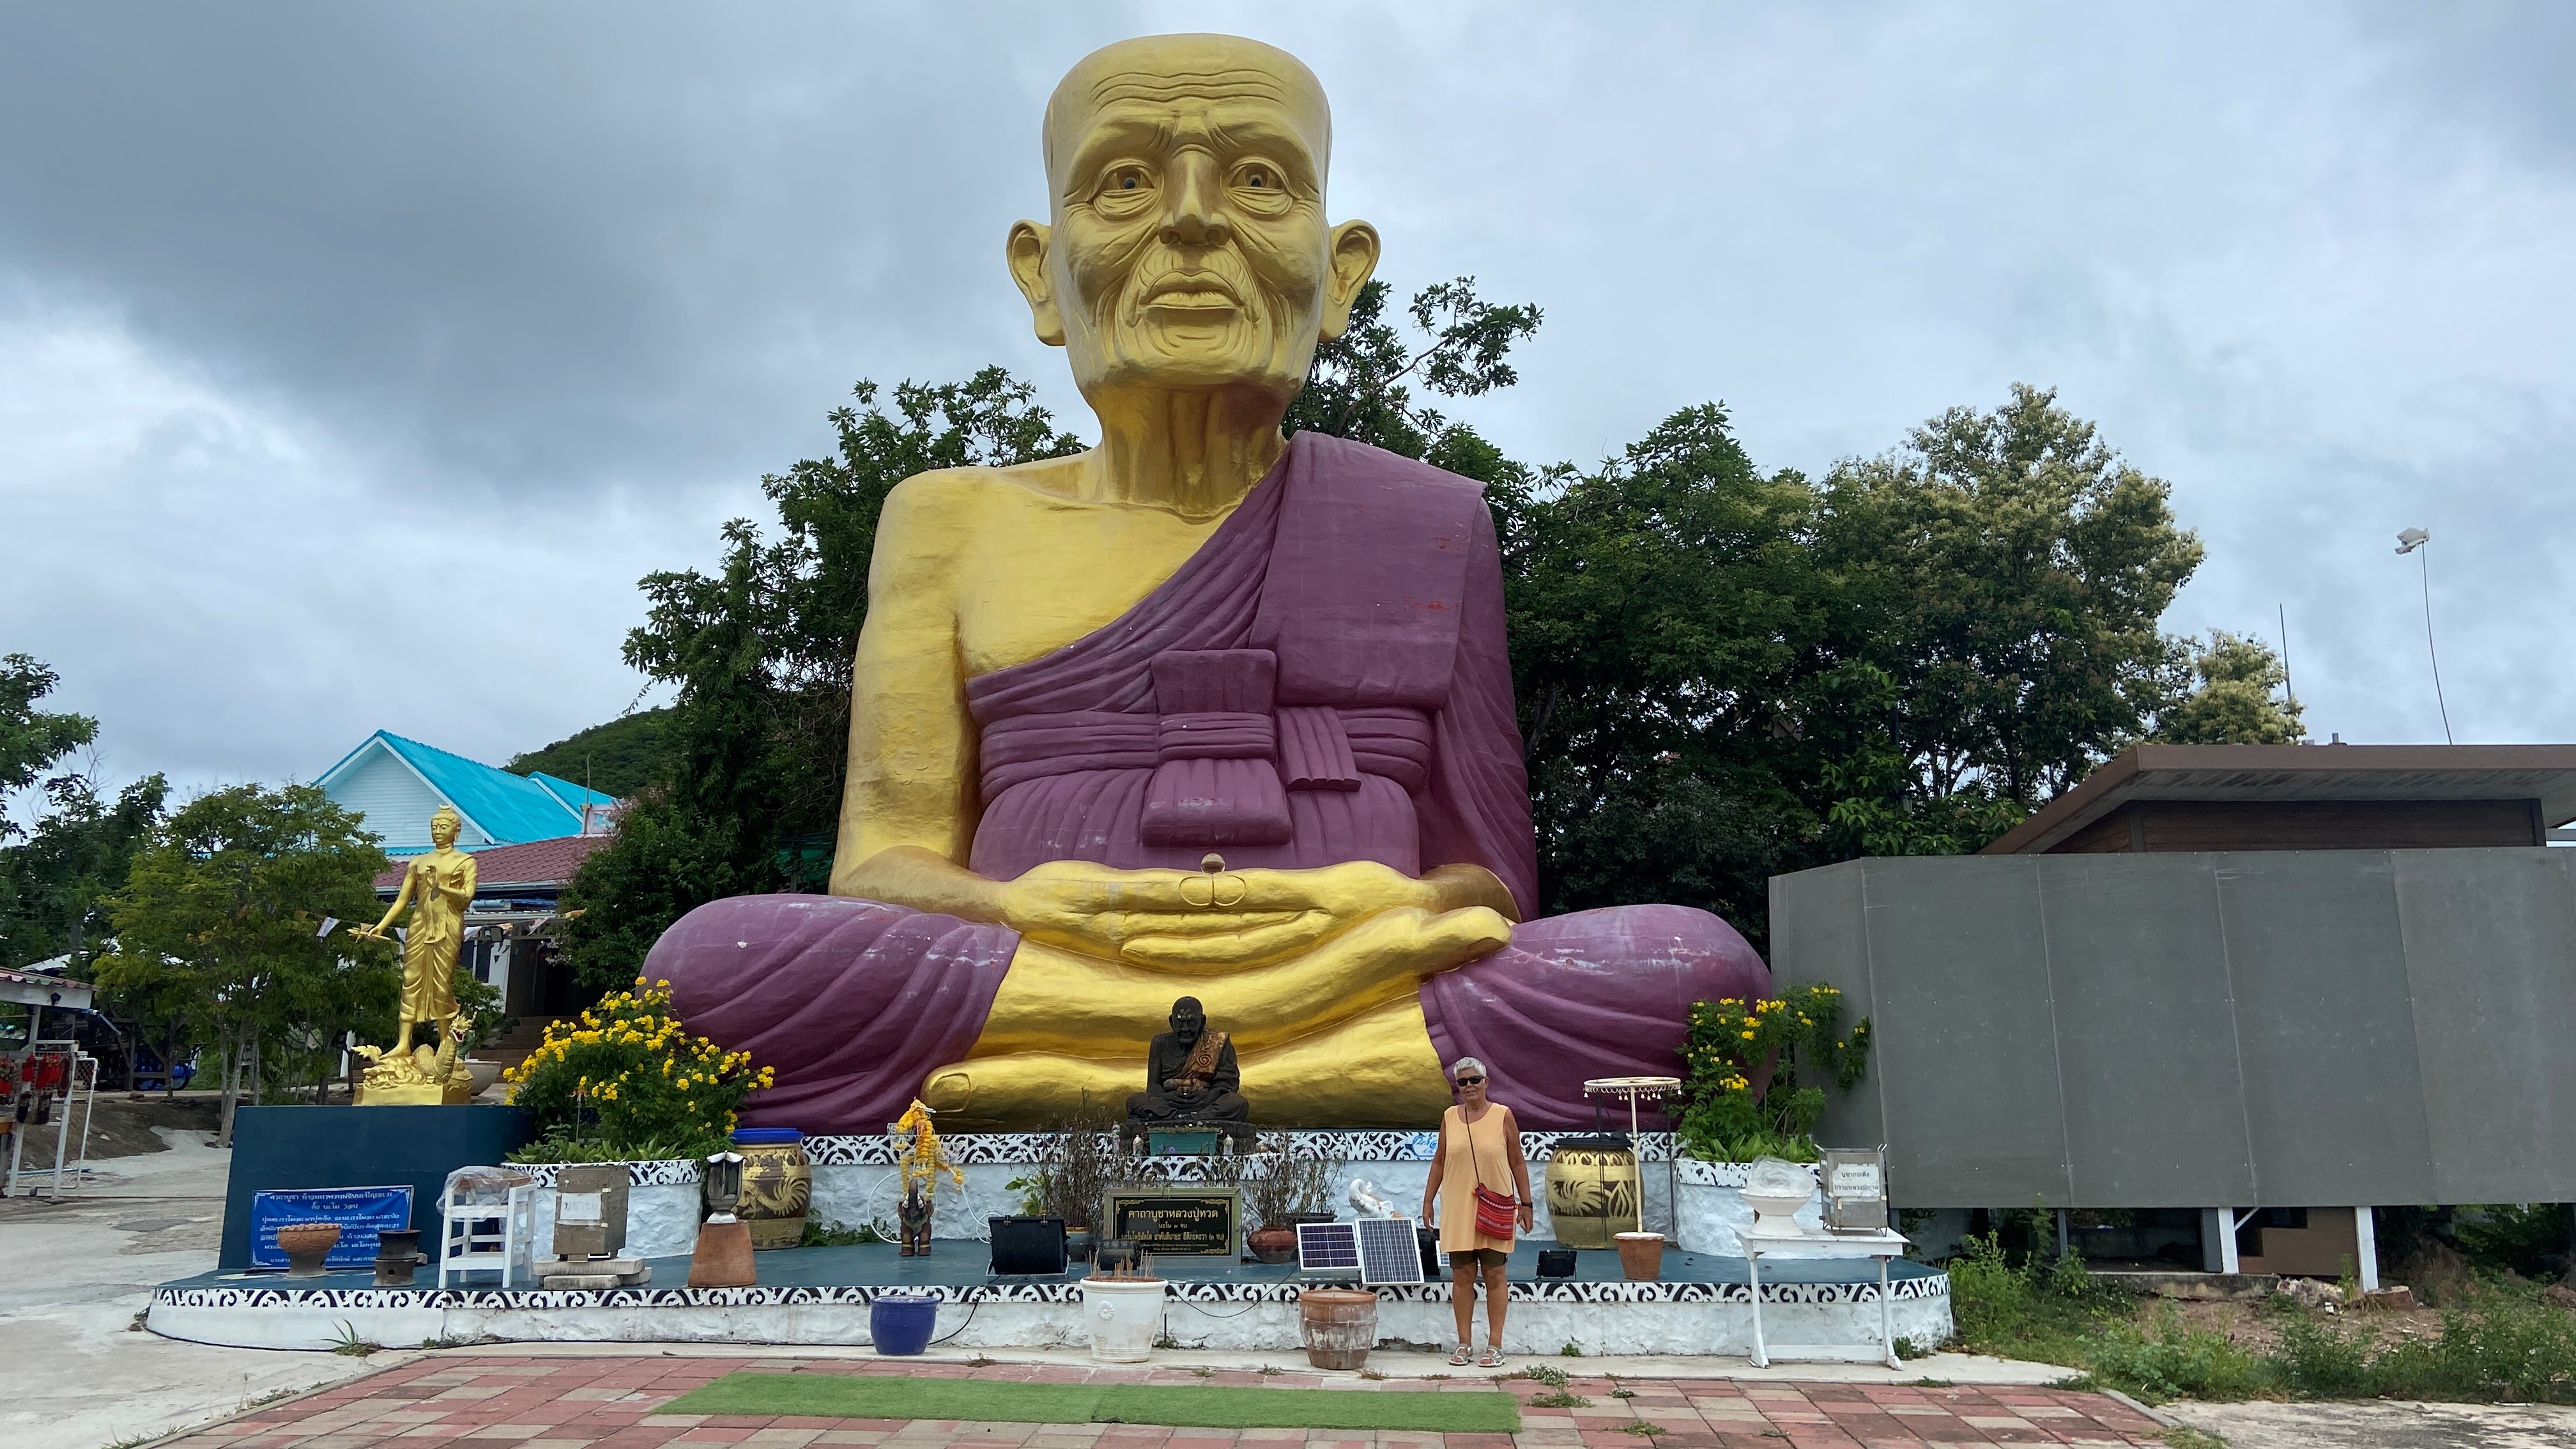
1734	1041
630	1078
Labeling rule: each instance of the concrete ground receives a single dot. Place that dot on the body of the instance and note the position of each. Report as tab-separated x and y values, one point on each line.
79	1373
2382	1425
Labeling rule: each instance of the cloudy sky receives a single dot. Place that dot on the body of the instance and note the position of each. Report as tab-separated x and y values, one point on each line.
356	360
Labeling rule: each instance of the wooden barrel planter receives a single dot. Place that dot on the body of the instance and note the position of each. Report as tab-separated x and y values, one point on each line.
1339	1325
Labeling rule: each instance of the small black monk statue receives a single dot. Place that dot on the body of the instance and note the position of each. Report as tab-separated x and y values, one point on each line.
1191	1078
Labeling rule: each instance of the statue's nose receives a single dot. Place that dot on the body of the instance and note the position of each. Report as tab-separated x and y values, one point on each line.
1195	219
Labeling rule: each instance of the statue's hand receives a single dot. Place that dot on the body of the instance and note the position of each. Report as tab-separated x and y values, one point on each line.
1097	910
1146	917
1284	914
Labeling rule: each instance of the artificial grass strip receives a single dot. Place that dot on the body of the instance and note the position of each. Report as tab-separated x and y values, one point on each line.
888	1396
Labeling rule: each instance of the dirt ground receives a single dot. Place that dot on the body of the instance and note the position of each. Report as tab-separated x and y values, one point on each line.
123	1127
2257	1327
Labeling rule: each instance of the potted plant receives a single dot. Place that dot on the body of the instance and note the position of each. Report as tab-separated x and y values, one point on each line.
1280	1189
1123	1308
1078	1166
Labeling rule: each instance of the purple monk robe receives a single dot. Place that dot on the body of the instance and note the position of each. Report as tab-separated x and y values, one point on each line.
1324	680
1603	993
853	1003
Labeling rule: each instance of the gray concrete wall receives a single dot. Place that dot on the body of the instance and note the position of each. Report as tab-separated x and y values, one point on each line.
2295	1028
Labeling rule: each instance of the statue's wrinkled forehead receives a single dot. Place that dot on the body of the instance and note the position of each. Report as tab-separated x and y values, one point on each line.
1164	72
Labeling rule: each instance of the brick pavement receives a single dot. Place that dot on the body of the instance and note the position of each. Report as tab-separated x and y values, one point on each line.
499	1402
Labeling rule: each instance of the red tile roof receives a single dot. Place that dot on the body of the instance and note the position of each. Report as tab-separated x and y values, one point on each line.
539	862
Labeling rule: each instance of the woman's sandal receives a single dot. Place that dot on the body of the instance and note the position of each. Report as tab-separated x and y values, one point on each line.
1492	1357
1460	1357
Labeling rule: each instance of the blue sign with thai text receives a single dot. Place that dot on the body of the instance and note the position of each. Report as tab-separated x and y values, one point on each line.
361	1212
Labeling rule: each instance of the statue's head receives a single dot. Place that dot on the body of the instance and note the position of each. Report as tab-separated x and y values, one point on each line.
1186	245
443	825
1188	1020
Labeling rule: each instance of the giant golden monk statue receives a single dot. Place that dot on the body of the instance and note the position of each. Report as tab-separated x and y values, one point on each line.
1082	677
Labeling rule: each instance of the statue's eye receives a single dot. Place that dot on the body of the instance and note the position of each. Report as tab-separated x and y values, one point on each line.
1256	178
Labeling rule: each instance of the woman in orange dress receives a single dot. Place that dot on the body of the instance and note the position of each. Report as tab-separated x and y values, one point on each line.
1480	1146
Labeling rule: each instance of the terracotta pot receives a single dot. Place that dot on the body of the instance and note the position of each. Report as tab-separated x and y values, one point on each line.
1641	1256
1339	1326
306	1245
1272	1245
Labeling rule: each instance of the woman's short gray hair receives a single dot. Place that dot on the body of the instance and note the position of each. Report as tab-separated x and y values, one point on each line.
1467	1066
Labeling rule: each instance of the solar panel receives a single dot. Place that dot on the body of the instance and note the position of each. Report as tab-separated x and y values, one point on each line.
1328	1247
1389	1251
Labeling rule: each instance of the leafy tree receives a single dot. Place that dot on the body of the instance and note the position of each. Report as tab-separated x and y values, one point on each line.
2240	697
754	746
32	739
617	758
2013	568
216	927
1360	384
54	884
1673	652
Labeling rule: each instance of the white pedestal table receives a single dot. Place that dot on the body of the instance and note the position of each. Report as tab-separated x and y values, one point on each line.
1885	1245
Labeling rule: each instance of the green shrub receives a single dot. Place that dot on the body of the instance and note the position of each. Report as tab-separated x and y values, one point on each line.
2530	1239
1733	1041
628	1077
2501	1347
2176	1362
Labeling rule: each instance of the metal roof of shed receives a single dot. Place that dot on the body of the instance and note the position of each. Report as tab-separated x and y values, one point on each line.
2281	773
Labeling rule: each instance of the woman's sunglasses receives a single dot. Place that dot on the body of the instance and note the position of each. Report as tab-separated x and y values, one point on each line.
1471	1081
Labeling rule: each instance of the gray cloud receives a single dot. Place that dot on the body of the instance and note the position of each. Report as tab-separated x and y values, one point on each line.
304	310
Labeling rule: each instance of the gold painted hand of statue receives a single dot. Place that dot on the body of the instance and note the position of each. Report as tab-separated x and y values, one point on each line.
1156	919
1321	964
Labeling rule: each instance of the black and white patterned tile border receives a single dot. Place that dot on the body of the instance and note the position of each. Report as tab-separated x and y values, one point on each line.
668	1172
967	1149
526	1299
1697	1173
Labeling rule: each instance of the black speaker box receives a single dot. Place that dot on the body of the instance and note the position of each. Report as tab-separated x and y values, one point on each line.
1556	1262
1028	1245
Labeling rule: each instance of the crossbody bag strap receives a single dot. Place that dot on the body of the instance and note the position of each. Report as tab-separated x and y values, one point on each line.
1475	1168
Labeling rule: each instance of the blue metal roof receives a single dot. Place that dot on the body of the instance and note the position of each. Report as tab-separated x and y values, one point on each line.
513	809
573	796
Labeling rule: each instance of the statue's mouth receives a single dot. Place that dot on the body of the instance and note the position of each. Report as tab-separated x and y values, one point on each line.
1195	293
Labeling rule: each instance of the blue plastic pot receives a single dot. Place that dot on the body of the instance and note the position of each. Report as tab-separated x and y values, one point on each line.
901	1324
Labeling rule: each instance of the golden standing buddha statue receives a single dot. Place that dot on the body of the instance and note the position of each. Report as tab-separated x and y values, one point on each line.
437	887
1081	676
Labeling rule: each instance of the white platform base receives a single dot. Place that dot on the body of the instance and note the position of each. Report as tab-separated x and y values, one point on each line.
1596	1318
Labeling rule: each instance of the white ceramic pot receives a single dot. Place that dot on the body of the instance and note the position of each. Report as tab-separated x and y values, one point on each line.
1775	1190
1125	1317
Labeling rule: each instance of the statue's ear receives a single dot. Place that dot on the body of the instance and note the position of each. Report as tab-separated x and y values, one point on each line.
1026	251
1353	262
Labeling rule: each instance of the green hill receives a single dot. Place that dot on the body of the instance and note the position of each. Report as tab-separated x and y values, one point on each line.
617	758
